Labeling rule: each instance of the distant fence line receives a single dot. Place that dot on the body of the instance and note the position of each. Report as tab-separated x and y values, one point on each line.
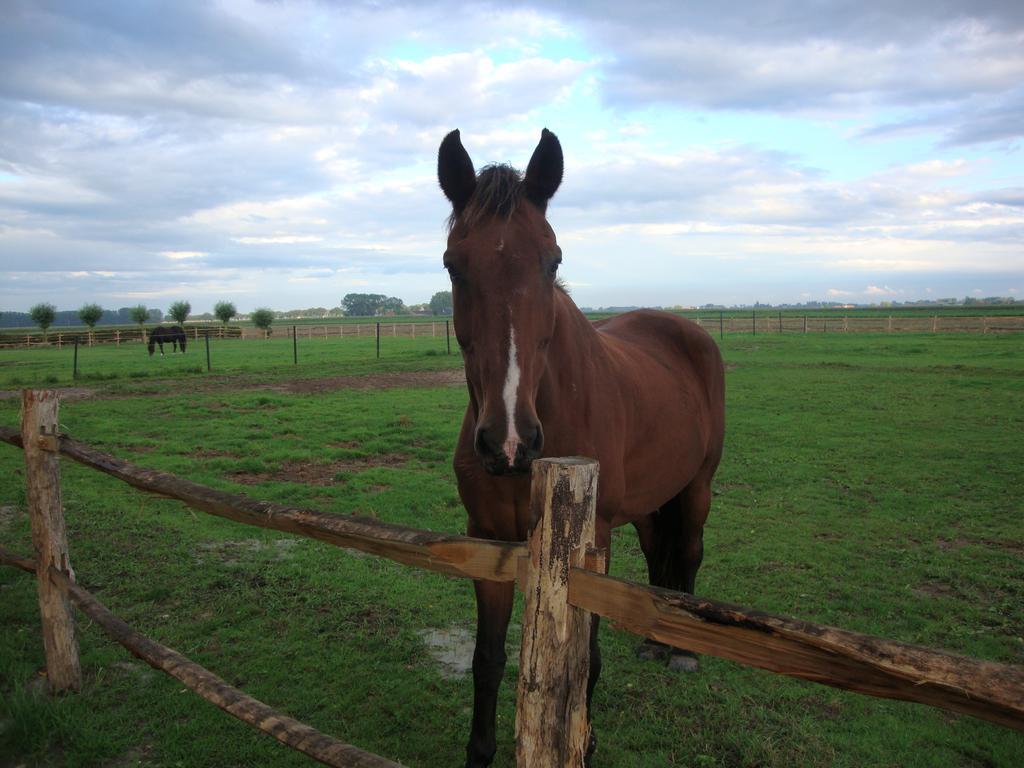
768	322
395	328
717	324
116	336
406	329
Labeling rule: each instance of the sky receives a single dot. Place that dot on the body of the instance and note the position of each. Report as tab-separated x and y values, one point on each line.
283	154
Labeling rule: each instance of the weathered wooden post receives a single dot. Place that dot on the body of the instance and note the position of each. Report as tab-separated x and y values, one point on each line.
554	661
39	419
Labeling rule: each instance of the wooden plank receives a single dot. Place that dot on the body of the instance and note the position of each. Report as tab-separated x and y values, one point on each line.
554	663
849	660
289	731
443	553
39	419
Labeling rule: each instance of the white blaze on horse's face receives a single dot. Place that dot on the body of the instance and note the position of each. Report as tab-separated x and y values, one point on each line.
508	396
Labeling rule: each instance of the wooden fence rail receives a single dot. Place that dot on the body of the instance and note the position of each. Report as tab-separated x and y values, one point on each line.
835	657
444	553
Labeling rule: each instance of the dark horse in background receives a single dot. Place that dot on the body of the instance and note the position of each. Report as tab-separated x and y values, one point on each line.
162	335
642	392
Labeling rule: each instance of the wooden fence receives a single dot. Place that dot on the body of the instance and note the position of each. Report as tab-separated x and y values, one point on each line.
563	580
116	336
775	322
716	324
400	329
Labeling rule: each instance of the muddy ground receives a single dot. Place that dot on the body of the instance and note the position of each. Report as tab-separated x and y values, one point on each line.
410	379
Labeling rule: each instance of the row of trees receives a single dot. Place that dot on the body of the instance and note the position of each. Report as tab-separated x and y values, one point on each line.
376	304
353	305
43	314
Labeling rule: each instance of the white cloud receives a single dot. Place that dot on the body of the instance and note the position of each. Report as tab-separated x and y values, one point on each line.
278	240
874	290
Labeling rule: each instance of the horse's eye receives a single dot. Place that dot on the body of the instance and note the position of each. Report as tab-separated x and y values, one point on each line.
454	274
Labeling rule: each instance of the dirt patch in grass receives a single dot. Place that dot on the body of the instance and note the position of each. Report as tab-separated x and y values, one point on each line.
828	536
66	393
211	453
411	379
934	589
373	381
349	444
8	514
312	473
1013	547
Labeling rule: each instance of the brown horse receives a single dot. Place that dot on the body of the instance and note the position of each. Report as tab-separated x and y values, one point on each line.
642	392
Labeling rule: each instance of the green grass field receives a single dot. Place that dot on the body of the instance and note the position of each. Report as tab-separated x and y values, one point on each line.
869	482
129	367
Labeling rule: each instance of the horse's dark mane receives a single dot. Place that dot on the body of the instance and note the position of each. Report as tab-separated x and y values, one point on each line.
498	192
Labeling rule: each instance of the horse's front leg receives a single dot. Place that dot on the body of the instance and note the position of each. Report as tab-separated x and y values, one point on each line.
493	609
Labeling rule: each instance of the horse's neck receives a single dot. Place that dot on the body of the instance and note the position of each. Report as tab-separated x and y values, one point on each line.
575	347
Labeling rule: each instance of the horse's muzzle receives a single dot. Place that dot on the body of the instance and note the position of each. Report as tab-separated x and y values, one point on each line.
508	457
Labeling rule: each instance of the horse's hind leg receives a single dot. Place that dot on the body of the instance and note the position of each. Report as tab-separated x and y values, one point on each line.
672	539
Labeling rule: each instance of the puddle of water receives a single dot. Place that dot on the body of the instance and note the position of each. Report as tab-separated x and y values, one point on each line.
452	649
232	552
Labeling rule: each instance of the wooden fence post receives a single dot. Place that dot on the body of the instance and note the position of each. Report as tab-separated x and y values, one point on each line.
554	662
39	419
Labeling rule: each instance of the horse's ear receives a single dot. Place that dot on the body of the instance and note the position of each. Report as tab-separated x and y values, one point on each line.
544	173
455	171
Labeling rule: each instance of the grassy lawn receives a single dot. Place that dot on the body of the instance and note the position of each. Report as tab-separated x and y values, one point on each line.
130	368
869	482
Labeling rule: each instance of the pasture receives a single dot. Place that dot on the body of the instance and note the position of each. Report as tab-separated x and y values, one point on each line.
869	481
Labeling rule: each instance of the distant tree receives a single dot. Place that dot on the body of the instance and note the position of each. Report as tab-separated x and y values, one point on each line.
180	311
392	305
43	315
362	304
441	303
224	310
262	318
90	314
139	314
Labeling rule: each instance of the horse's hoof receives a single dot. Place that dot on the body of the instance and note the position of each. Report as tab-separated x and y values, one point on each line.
651	650
683	661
